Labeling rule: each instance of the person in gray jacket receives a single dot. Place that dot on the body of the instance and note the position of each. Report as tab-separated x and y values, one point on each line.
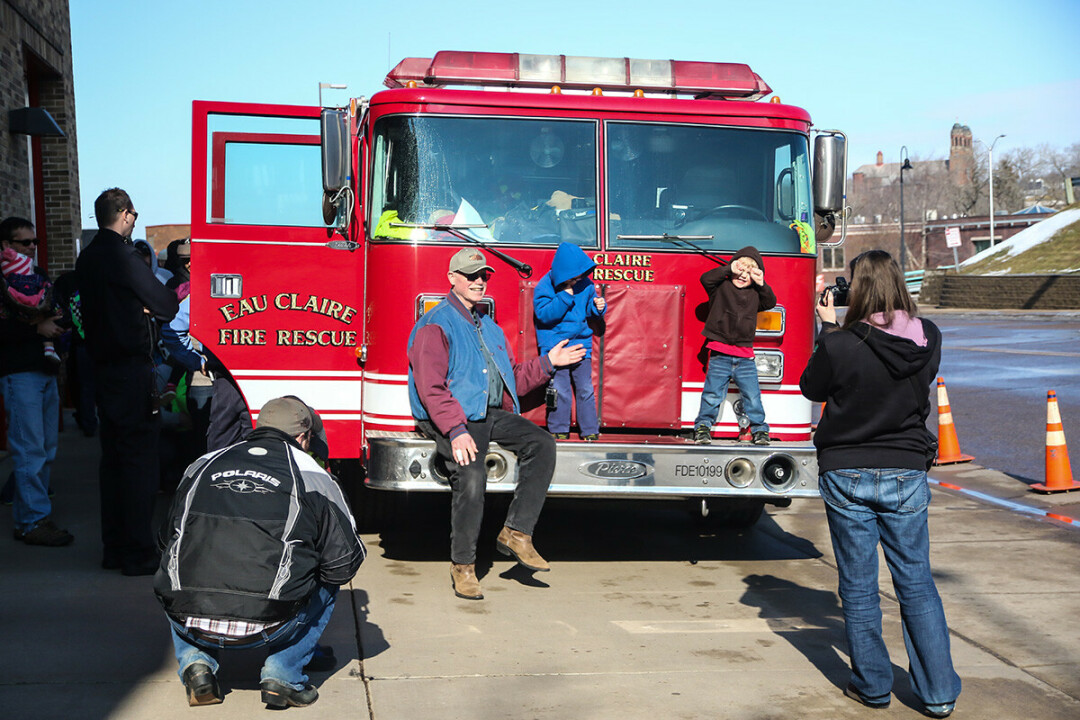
257	543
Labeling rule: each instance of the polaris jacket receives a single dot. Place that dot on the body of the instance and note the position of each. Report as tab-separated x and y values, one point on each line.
253	529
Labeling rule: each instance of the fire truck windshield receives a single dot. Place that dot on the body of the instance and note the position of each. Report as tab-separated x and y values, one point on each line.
514	181
741	187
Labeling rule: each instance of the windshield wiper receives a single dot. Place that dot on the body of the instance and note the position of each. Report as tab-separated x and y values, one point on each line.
684	239
522	269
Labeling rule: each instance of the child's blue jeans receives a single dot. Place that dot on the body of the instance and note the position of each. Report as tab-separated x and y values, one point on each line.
580	376
722	368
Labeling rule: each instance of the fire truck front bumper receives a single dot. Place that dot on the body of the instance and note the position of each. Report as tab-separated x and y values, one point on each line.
656	469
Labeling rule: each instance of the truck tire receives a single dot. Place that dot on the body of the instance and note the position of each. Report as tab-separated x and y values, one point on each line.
727	514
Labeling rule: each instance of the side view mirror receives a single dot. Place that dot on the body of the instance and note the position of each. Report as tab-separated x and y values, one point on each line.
830	184
335	149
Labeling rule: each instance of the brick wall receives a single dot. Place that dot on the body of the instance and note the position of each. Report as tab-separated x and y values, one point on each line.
35	41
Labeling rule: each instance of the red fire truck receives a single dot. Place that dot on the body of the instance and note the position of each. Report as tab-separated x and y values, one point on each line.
321	235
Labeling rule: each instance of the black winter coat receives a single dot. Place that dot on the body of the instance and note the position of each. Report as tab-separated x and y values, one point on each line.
253	530
115	285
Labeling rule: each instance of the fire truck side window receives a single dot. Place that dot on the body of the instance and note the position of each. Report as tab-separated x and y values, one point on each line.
264	171
742	187
526	181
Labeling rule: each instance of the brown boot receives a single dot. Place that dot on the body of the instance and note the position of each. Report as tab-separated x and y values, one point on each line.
464	581
520	545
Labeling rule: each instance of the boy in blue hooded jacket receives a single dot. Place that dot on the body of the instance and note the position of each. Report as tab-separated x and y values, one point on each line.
563	302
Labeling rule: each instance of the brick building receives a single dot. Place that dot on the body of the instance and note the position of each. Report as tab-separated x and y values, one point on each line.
924	241
925	220
39	167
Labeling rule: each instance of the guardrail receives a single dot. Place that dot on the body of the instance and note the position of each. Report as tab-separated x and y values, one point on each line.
913	279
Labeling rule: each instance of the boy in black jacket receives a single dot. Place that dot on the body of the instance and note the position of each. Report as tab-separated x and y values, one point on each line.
737	293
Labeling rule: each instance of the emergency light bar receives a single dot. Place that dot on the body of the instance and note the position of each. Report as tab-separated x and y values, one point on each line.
702	79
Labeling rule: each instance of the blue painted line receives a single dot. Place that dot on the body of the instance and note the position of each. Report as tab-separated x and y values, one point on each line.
1014	506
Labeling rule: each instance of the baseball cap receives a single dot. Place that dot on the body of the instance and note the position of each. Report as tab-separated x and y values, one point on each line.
469	260
184	249
319	444
287	414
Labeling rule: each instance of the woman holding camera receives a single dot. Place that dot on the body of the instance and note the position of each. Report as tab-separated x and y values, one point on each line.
874	372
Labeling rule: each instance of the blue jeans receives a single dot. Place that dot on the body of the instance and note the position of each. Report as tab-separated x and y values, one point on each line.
866	506
580	375
722	368
291	645
33	409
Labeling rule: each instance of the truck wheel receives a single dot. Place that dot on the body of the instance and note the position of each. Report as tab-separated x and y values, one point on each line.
727	514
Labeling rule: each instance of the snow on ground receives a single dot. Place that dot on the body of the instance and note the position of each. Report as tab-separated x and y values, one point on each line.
1027	238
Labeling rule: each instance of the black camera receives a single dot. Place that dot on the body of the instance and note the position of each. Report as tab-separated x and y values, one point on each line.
840	292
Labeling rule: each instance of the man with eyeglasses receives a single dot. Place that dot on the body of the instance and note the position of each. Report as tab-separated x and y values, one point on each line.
463	391
121	302
32	403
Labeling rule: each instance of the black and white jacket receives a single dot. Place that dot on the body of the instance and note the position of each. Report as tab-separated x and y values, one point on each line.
253	530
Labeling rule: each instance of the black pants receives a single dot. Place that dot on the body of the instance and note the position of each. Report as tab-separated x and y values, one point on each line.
229	421
535	450
129	470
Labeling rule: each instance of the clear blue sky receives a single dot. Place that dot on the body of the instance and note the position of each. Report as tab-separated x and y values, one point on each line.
888	74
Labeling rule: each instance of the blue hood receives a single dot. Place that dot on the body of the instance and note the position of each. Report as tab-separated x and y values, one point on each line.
570	261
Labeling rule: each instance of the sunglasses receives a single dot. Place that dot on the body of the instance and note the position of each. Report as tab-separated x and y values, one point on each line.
473	277
134	214
25	243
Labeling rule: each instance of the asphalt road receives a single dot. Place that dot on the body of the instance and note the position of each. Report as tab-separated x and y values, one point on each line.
997	369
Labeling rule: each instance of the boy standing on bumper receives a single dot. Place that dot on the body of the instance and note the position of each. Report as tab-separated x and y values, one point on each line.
737	293
563	302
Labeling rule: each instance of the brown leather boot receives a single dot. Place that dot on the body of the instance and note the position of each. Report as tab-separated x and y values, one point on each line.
464	581
520	545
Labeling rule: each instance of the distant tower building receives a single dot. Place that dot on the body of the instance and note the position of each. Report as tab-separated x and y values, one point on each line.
961	155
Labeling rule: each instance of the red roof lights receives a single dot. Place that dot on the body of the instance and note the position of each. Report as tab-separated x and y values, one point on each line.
452	67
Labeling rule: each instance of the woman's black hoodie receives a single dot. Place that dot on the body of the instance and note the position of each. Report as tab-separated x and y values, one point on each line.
875	414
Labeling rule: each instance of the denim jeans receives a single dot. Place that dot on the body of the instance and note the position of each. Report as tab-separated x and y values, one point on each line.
291	645
722	368
580	376
865	506
33	410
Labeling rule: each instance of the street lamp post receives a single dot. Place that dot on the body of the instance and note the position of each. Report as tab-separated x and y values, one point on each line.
991	161
905	164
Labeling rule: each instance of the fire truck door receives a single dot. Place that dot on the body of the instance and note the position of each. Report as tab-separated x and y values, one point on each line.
271	299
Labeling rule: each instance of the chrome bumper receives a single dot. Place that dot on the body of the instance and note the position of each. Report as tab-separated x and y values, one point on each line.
408	461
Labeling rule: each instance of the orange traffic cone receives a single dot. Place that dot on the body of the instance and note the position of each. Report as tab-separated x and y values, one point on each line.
1059	477
948	444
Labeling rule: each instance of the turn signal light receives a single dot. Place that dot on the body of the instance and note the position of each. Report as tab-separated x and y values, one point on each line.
771	322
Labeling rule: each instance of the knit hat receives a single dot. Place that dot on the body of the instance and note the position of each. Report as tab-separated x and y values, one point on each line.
15	263
183	250
287	414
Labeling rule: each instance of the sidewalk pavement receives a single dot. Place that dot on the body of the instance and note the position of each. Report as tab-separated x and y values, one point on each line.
661	624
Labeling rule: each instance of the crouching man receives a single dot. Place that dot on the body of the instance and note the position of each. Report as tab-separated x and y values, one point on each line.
258	540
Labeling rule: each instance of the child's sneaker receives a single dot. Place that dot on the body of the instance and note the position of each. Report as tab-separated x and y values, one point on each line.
561	436
761	438
51	356
702	436
592	437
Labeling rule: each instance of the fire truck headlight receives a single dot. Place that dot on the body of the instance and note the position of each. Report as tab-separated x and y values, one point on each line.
770	364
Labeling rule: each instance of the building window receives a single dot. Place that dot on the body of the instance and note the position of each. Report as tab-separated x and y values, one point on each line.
832	258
